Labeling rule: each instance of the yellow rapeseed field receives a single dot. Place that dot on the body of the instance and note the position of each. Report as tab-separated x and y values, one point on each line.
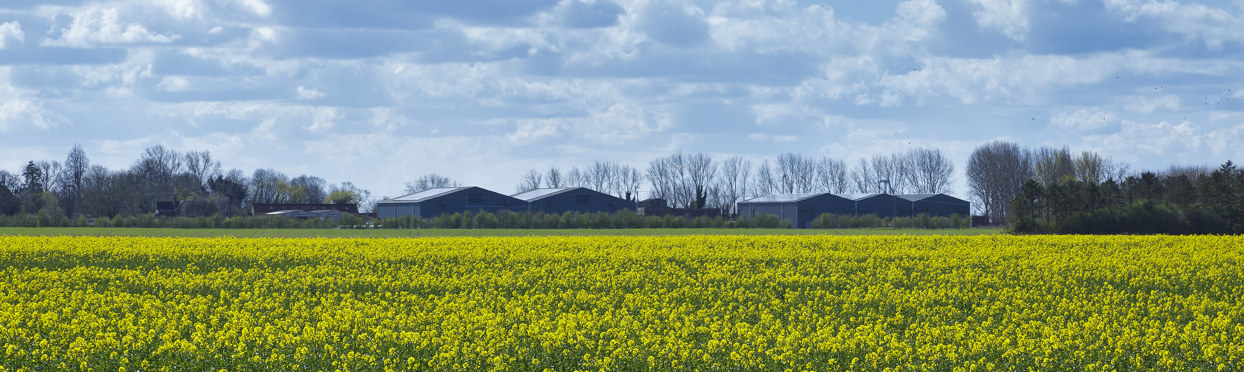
728	303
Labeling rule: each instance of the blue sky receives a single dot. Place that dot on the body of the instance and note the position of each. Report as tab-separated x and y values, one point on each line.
379	92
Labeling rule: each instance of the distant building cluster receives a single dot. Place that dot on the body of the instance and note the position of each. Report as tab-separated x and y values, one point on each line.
434	202
798	209
801	209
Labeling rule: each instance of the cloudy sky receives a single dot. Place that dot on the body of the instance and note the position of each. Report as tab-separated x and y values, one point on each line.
379	92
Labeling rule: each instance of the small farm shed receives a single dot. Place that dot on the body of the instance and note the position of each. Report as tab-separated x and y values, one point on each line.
321	215
572	199
936	205
435	202
798	209
259	209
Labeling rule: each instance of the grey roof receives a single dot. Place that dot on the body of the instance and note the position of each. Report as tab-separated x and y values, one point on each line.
916	197
537	194
302	213
423	195
859	196
782	198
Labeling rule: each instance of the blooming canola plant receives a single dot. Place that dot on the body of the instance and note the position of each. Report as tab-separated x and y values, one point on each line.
735	303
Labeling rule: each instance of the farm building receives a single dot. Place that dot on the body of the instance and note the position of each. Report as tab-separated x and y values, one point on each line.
937	205
435	202
798	209
322	214
572	199
259	209
880	205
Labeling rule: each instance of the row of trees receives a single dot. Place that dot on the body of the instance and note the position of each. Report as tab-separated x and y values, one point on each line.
1178	201
997	172
77	188
698	181
1052	190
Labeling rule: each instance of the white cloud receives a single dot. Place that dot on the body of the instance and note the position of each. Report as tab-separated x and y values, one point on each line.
582	79
261	37
265	130
323	119
259	7
917	19
174	83
1001	79
11	33
1088	121
1212	26
1156	144
623	122
309	93
16	113
672	23
1146	105
532	131
182	9
1008	16
779	113
103	26
813	30
765	137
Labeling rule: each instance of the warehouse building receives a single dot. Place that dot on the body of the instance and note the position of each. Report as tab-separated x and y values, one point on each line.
798	209
572	199
880	205
936	205
435	202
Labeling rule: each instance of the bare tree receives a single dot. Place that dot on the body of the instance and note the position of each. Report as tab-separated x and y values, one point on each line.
664	179
103	192
76	166
49	174
735	176
631	180
1091	167
576	178
1052	165
795	173
265	186
553	179
766	181
891	169
430	181
928	171
158	164
700	172
9	180
153	173
996	174
531	180
832	176
863	178
599	176
716	199
201	166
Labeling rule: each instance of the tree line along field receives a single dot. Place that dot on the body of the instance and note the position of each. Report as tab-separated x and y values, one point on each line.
732	303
